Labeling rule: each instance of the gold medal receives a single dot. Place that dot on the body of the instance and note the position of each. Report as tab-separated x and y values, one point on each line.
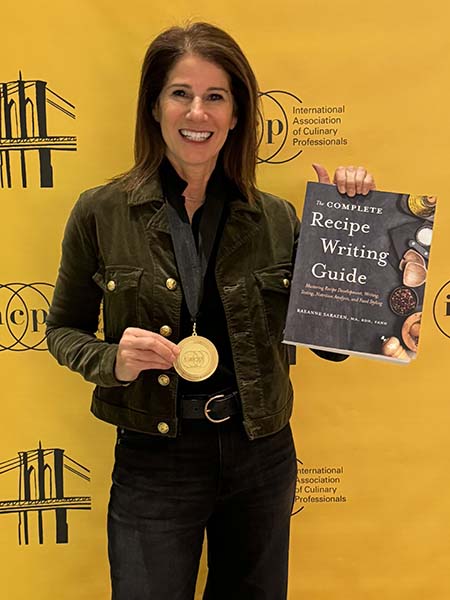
198	358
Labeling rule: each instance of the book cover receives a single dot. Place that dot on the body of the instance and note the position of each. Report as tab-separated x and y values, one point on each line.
360	273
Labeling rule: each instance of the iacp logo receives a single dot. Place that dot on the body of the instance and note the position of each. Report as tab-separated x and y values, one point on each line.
441	309
276	143
23	311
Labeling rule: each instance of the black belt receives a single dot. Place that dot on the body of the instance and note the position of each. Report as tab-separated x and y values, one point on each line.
216	408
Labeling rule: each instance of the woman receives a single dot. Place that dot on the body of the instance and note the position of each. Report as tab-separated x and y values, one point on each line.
192	264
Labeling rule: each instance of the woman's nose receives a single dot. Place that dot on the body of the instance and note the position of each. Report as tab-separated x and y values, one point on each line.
196	110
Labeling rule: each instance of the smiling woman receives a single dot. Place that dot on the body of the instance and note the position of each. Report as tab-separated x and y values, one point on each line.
192	265
196	112
175	52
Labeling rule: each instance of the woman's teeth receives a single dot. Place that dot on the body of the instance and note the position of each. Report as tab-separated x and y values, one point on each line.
196	136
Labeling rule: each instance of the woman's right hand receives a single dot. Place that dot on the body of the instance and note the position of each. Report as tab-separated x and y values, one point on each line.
139	350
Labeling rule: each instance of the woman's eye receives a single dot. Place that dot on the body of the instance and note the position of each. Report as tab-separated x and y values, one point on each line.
179	93
215	97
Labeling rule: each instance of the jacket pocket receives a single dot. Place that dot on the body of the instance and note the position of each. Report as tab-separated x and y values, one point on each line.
120	286
274	286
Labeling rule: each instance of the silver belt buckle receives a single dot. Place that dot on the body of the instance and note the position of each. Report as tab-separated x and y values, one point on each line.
207	410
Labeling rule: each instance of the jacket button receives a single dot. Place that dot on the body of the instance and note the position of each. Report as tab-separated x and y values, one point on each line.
111	285
163	427
286	283
164	380
165	330
171	284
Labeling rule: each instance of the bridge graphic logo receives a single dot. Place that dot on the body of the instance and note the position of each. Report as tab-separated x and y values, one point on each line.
25	139
41	491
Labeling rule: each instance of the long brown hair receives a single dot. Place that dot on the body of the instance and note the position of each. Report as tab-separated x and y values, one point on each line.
239	153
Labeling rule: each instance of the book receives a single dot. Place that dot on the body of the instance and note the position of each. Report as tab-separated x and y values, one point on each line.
360	273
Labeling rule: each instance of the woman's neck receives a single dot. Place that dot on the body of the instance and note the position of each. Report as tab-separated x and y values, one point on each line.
197	177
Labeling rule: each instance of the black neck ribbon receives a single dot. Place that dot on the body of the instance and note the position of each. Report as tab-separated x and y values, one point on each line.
192	263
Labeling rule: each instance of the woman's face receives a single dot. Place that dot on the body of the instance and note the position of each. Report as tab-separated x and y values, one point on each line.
195	111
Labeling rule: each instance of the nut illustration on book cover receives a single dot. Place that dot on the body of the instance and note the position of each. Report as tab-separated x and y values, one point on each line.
360	273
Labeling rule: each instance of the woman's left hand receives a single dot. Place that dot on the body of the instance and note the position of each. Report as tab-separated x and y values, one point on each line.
349	180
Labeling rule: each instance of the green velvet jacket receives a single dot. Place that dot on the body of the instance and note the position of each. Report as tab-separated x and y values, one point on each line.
117	251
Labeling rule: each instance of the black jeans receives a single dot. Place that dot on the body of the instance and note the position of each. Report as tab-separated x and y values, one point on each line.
166	492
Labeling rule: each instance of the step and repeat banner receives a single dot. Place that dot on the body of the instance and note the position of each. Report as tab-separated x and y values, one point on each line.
341	83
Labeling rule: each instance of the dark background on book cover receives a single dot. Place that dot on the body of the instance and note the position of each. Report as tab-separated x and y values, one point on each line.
390	232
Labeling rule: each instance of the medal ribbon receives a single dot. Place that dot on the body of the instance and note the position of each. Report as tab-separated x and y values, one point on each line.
192	264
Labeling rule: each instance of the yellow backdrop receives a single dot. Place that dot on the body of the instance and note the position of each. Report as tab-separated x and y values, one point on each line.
373	434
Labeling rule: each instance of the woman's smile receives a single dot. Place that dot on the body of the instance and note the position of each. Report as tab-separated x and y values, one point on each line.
196	136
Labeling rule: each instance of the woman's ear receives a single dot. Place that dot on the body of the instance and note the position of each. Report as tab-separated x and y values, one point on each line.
155	112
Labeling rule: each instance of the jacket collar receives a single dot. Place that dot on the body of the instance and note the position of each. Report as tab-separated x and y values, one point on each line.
152	192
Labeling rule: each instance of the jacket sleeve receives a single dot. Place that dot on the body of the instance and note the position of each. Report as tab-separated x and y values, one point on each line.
74	313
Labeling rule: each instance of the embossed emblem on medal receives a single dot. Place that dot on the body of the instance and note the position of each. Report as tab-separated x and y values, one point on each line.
198	358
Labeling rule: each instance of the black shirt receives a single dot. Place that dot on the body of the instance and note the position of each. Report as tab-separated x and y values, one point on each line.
211	321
